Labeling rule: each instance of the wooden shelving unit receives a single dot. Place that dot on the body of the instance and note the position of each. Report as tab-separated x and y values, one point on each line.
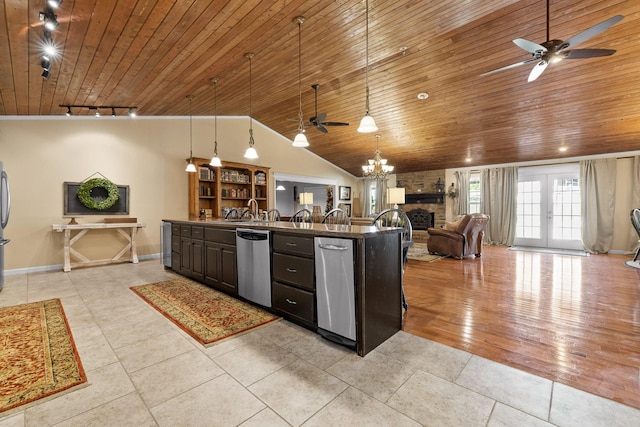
226	187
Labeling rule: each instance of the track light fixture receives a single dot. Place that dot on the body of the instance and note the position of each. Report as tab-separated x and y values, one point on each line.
95	109
50	20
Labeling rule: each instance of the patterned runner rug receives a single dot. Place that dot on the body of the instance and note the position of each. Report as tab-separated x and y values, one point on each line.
204	313
38	357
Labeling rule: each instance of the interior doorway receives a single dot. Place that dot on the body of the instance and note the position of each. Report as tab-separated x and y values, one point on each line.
549	207
286	199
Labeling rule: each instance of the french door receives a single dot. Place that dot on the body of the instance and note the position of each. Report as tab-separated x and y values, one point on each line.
549	208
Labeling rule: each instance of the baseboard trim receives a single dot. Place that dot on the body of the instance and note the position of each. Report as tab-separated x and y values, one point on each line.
40	269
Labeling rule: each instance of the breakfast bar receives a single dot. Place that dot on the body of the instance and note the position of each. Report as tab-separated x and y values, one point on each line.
342	281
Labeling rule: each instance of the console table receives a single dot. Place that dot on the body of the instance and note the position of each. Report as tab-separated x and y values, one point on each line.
127	230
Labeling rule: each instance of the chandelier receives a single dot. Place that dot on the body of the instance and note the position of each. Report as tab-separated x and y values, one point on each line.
377	168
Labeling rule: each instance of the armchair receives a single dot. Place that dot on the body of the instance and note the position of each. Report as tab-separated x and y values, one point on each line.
462	238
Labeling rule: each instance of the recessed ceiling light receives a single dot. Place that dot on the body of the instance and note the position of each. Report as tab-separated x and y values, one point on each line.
423	95
468	159
563	148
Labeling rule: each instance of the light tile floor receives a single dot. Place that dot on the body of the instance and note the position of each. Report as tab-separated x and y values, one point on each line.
144	371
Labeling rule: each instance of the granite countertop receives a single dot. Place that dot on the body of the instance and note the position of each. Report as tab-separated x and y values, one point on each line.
314	229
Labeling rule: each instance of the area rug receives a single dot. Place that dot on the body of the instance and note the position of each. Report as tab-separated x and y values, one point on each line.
420	252
38	357
204	313
571	252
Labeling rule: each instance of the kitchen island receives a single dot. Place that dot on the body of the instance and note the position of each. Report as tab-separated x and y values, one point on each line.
302	281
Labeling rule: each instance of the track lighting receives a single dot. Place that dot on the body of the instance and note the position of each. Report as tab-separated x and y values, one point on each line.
50	19
46	74
54	3
96	108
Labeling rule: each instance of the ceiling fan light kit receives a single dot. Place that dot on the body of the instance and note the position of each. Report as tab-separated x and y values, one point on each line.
367	124
554	51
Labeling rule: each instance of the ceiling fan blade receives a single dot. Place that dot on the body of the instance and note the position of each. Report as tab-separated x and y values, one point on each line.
537	70
509	66
587	53
591	32
320	118
529	46
335	124
321	128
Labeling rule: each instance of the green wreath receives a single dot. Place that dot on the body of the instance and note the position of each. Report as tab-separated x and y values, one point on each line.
84	194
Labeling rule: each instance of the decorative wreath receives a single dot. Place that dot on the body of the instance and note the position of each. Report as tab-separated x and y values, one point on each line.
84	194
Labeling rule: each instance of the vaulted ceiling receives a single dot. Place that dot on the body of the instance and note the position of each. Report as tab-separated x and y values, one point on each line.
154	53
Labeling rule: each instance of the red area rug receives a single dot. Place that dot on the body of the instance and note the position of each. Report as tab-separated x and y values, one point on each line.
38	357
204	313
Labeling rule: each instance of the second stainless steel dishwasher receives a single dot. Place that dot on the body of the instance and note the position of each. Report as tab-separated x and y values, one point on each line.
253	250
335	289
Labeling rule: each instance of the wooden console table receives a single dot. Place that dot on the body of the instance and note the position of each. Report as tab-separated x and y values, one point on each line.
127	230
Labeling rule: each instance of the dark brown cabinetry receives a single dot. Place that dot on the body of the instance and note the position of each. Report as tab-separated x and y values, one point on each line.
220	268
191	252
294	277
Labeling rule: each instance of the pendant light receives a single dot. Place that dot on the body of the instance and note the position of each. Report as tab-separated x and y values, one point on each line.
190	167
367	124
251	152
300	139
215	160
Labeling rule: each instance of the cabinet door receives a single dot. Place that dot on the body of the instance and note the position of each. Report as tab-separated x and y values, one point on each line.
212	260
197	258
228	269
185	256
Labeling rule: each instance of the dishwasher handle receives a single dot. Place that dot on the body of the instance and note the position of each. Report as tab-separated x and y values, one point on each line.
248	235
333	247
4	241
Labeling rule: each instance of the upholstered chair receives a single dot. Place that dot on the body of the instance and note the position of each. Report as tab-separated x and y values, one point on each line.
459	239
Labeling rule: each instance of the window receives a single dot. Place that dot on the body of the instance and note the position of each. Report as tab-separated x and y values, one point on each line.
474	192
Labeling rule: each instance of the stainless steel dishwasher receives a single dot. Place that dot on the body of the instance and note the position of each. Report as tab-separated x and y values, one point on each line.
335	289
253	250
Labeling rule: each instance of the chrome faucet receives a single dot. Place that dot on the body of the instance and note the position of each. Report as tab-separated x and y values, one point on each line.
254	212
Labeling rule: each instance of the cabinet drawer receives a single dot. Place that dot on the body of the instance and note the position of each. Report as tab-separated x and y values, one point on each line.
293	301
220	236
175	229
294	270
197	232
185	230
293	244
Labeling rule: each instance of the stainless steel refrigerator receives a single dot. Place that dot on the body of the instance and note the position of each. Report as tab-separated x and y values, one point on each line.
5	207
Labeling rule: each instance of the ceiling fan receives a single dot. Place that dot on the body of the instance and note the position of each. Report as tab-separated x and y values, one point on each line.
553	51
317	121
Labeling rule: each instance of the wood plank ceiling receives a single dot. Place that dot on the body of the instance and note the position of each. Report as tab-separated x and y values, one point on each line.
153	53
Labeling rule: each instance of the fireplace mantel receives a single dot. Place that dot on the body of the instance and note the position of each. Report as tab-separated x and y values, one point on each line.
419	198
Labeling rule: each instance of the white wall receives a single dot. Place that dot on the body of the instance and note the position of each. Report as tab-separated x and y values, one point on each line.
148	154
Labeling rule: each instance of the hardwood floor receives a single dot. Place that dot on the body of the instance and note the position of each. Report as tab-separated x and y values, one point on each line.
571	319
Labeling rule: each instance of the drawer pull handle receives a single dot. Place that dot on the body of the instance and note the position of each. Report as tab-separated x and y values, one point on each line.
291	244
291	302
292	270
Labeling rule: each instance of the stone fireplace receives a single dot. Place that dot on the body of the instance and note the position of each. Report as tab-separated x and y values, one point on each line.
421	219
424	204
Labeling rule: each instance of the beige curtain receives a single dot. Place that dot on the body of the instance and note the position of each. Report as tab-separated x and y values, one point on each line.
632	244
598	181
461	203
499	192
